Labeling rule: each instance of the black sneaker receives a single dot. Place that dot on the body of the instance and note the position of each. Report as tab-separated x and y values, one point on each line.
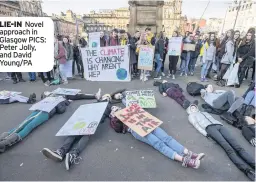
71	159
15	82
196	102
186	104
32	99
227	116
54	155
251	174
22	80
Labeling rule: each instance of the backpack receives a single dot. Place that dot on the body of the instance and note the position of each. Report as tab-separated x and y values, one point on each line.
194	88
116	124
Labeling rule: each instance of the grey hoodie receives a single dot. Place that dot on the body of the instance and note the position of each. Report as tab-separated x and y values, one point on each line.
228	57
201	120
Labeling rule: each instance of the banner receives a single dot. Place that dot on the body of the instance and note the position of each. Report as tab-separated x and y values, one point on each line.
94	39
174	46
47	104
5	94
67	67
146	58
144	98
106	63
84	121
66	91
138	120
189	47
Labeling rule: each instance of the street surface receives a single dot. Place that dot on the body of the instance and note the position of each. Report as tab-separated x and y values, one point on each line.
109	155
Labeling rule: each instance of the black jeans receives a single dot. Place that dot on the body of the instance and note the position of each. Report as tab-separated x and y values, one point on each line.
162	68
223	70
78	66
16	76
235	152
48	74
173	60
77	142
80	97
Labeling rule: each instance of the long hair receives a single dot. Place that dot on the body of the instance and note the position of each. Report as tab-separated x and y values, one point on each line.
209	39
176	33
160	35
244	41
83	42
231	38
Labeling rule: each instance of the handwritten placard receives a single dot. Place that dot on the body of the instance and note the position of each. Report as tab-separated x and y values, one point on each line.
138	119
47	104
66	91
189	47
84	121
146	57
106	63
5	94
144	98
174	46
94	39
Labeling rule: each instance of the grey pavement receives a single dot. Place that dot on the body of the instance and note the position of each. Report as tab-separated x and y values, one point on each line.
112	156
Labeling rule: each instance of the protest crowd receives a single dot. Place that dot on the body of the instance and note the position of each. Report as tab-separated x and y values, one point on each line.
227	60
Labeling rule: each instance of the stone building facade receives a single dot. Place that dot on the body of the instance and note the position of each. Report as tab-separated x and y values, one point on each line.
9	8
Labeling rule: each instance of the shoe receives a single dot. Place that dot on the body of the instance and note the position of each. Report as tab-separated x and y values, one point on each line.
98	94
202	79
163	74
181	74
196	102
3	135
227	116
15	82
192	74
206	80
186	75
9	141
65	82
195	156
32	99
7	78
22	80
71	159
157	78
173	77
248	110
250	174
169	75
145	79
54	155
188	162
186	104
237	86
47	84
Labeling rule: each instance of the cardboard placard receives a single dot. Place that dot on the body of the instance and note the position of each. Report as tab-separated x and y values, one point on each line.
106	63
84	121
174	46
144	98
66	91
47	104
5	94
138	120
146	58
94	39
189	47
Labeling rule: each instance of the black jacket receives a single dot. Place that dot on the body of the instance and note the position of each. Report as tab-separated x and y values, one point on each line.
59	109
196	53
159	47
163	87
246	50
103	41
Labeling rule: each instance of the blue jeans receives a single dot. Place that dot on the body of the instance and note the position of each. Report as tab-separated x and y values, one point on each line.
192	65
205	68
158	62
250	98
185	63
32	124
162	142
32	76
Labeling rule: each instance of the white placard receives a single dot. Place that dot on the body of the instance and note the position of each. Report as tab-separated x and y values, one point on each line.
66	91
106	63
67	68
47	104
174	46
94	39
84	121
5	94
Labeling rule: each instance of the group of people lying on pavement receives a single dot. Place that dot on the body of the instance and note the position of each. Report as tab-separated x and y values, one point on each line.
158	139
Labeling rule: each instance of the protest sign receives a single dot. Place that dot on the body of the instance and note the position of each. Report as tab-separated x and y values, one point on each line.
146	57
94	39
66	91
84	121
67	68
189	47
106	63
5	94
174	46
47	104
144	98
138	120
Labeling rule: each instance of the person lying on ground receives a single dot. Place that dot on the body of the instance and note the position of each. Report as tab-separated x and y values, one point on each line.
116	97
222	100
173	91
248	130
161	141
73	146
8	97
8	139
209	127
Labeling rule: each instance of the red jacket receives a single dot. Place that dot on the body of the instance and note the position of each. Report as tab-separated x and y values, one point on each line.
61	57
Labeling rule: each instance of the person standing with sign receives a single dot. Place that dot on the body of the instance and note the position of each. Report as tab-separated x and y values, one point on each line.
70	58
114	40
159	54
160	141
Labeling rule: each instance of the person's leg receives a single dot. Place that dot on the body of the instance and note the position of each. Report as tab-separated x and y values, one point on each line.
82	67
175	60
183	66
14	77
242	71
187	63
19	98
237	147
81	97
19	76
215	134
249	134
42	77
62	72
209	64
48	74
228	96
162	68
30	76
236	105
203	71
159	63
249	97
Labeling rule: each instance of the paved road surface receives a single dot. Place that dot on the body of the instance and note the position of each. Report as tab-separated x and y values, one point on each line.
112	156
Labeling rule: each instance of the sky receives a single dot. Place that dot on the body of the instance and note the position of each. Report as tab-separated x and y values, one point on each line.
190	8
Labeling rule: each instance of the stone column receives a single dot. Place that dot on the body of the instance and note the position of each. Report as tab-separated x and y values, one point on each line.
133	17
159	20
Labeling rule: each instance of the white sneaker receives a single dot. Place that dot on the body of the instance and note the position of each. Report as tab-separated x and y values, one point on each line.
181	74
163	74
186	75
65	82
98	94
173	77
145	79
47	84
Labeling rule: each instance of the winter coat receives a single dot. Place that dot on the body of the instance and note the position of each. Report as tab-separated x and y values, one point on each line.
69	49
133	47
103	41
196	53
59	109
209	97
60	54
209	52
184	53
113	41
228	57
123	42
246	50
201	120
159	47
163	87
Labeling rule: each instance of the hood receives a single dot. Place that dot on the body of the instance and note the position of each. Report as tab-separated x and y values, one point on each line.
192	109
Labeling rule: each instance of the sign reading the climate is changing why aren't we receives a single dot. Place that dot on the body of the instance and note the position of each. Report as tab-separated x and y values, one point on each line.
26	44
